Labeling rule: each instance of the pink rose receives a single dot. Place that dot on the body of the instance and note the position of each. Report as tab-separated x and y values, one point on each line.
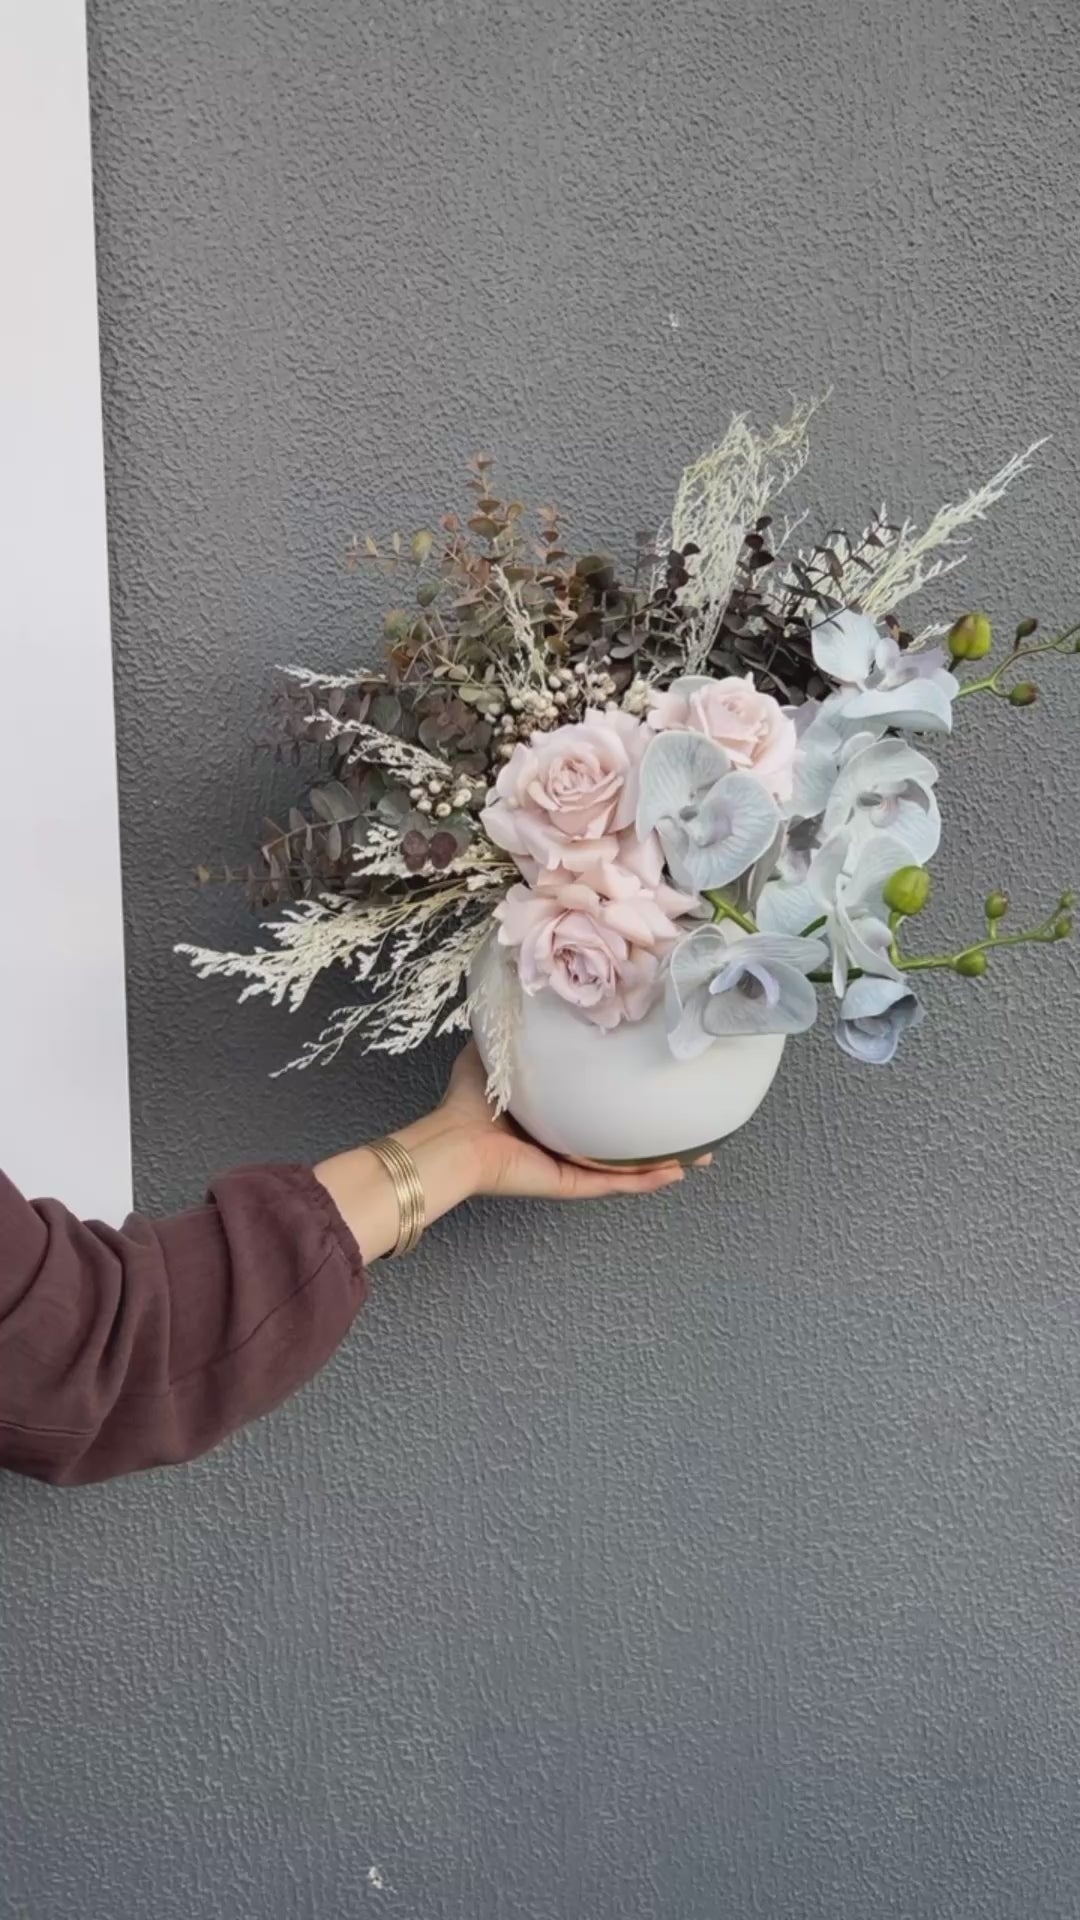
636	864
600	951
561	799
752	727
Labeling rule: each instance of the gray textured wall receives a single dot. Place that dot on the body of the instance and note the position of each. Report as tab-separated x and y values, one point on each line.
718	1558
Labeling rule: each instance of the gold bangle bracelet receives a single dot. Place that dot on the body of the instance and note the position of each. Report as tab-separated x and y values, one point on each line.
398	1162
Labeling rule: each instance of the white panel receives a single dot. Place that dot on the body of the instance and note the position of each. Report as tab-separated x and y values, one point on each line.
64	1123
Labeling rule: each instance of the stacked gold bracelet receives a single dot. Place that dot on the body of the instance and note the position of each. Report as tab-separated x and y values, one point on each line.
408	1191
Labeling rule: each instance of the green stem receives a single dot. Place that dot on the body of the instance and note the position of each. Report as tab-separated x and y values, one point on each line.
814	925
991	682
723	910
926	962
1044	935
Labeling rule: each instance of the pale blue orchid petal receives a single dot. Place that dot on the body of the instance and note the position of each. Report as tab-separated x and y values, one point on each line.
875	863
712	843
866	941
747	1005
777	950
718	987
848	882
812	784
676	770
886	788
696	960
914	821
687	1034
844	646
826	869
787	907
876	769
919	705
741	969
874	1015
917	663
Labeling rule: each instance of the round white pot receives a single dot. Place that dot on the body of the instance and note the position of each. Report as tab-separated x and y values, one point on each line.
621	1096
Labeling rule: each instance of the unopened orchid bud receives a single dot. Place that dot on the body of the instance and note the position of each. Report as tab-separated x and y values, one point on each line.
907	890
971	965
1024	694
1025	630
1063	927
970	637
1068	900
997	906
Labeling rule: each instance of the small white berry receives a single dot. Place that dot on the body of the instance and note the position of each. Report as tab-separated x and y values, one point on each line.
423	805
560	698
443	810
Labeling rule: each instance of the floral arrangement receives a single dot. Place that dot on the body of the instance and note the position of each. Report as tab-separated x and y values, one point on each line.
692	783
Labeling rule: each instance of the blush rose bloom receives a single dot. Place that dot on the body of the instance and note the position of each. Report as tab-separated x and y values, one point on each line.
752	727
563	797
601	951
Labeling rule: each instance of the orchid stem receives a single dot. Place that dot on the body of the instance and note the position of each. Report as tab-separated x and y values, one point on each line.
1051	930
991	682
723	910
925	963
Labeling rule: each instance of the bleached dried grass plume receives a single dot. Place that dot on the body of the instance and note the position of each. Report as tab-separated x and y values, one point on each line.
411	954
718	498
495	1002
907	567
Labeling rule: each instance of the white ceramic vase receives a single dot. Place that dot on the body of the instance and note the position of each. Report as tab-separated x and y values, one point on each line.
621	1097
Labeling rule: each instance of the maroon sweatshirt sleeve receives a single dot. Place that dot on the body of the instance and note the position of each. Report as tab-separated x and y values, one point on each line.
143	1347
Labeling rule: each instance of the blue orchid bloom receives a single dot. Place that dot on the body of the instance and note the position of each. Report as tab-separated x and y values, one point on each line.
713	824
874	1016
719	988
885	786
882	685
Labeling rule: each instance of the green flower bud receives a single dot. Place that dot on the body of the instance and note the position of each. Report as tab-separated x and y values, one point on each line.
971	965
396	624
907	890
1025	630
970	638
1024	694
997	906
1063	927
1068	900
420	546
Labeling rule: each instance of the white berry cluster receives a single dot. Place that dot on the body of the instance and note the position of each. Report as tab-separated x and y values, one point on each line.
442	797
567	693
637	697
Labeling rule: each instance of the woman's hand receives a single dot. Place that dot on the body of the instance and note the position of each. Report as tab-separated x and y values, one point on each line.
461	1150
507	1164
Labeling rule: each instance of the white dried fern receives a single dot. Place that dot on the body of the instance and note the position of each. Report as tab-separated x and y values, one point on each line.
424	995
906	567
495	1003
371	747
718	498
410	955
479	862
529	665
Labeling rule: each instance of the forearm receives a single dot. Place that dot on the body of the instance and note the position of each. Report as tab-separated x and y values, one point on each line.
143	1347
446	1161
